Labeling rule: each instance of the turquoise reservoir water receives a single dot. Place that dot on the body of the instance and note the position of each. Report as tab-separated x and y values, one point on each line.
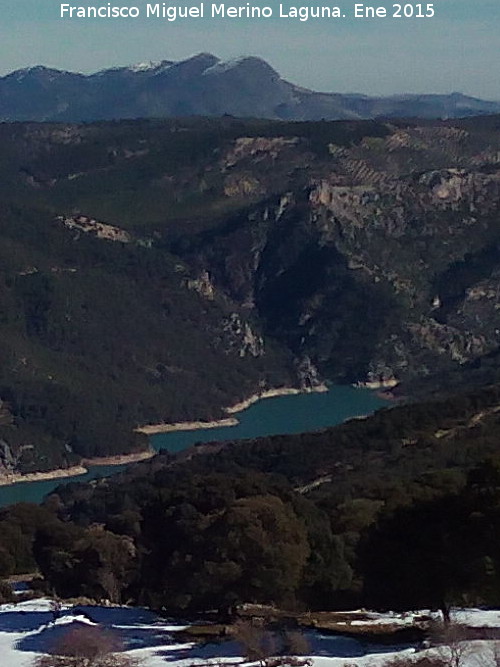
282	414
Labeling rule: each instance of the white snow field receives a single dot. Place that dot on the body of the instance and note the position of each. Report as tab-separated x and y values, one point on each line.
28	629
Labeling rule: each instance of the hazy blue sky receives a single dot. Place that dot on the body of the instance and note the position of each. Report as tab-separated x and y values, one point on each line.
458	50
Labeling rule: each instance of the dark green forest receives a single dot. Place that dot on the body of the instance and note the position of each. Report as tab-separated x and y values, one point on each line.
159	270
398	510
101	335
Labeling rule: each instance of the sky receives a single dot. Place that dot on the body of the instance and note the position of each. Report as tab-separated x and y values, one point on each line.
456	50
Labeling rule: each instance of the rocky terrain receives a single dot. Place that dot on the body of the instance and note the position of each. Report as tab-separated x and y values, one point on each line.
155	271
203	85
376	261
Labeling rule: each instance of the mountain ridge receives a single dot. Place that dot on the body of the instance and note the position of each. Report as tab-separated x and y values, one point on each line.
205	85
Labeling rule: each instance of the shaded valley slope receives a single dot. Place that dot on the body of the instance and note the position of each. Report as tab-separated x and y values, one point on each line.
158	270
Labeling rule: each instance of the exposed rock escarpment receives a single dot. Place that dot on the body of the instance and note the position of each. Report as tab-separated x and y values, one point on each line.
217	259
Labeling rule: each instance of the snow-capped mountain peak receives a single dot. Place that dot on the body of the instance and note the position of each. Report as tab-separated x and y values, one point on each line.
145	66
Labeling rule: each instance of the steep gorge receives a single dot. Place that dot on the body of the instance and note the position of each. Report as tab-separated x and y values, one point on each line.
159	270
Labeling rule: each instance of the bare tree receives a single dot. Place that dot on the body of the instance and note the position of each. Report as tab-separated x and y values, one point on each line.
295	643
262	646
86	646
258	643
452	641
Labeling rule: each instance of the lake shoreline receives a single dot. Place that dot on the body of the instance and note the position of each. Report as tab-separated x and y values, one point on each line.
152	429
149	429
272	393
120	459
18	478
77	470
86	464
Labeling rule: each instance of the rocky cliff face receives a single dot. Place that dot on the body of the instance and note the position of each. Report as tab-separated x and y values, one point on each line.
160	270
377	261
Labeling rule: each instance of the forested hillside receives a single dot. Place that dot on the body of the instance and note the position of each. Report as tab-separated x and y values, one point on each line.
160	270
397	511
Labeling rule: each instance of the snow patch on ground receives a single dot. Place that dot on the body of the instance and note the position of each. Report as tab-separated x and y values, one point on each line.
27	629
473	618
478	618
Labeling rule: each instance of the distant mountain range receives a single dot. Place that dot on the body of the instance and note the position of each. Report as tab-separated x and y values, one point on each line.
204	85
